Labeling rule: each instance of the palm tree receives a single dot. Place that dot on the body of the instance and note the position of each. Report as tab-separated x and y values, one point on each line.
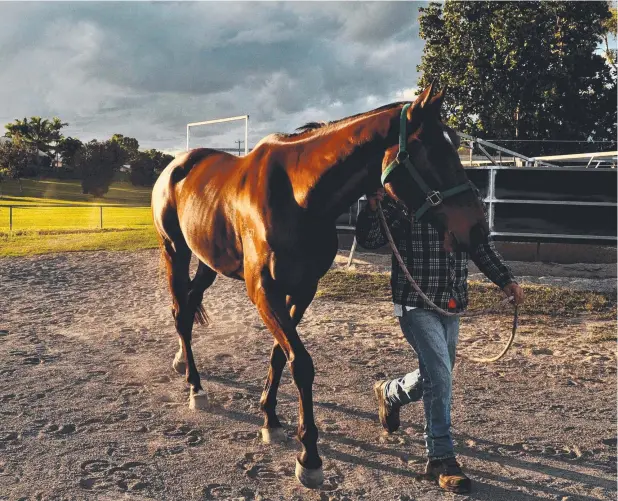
40	133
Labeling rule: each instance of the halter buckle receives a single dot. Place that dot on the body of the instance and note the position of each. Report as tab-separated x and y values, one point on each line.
402	156
434	198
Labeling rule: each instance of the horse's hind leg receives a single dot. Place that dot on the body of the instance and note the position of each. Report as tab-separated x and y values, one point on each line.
272	430
185	297
204	277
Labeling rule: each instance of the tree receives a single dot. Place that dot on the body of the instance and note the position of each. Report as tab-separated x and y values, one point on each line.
522	70
95	164
146	165
610	28
17	160
142	170
42	134
67	148
159	159
129	145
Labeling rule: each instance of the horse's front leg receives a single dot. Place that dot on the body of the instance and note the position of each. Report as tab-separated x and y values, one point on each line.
272	430
272	308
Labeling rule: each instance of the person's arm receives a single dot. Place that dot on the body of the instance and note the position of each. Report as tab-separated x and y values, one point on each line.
369	231
492	265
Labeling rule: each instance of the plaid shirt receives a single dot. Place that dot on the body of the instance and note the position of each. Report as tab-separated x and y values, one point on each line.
440	275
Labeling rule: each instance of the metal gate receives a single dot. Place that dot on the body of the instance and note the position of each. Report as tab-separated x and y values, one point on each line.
540	204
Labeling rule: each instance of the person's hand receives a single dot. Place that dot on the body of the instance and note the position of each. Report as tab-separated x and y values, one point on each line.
372	200
515	291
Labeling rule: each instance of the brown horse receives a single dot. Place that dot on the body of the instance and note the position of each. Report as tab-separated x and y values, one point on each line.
268	218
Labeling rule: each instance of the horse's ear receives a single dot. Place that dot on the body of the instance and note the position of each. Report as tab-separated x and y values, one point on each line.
435	105
437	100
422	100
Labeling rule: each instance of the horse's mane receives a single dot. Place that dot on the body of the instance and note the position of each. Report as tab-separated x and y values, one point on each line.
310	126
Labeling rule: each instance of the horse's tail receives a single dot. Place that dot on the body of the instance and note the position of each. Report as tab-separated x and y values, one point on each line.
162	268
167	224
200	315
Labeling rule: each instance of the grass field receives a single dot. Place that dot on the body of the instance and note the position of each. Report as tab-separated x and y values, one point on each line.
52	194
41	224
55	191
74	218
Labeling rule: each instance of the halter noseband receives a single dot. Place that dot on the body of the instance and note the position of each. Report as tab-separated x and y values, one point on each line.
433	198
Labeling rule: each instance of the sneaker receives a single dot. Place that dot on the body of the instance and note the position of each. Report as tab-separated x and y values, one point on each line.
449	475
389	414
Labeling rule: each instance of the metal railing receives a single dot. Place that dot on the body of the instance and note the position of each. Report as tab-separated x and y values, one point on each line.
539	204
549	204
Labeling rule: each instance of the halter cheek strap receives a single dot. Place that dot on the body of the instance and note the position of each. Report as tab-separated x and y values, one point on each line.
433	198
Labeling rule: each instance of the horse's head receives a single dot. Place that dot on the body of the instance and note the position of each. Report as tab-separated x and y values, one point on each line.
424	172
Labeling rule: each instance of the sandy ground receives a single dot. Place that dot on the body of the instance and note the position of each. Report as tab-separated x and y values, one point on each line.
91	409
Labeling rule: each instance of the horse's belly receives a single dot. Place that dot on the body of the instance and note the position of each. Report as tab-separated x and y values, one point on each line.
305	262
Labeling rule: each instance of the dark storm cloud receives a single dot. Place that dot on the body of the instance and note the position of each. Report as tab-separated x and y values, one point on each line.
146	69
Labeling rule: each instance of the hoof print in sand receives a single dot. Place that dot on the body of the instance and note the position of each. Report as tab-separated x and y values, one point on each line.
333	478
95	466
59	430
169	451
193	438
32	361
240	436
260	468
90	483
190	436
178	431
95	375
101	474
217	491
144	415
116	417
131	389
9	437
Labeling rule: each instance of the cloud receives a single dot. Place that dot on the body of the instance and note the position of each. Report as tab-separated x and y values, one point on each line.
409	94
146	69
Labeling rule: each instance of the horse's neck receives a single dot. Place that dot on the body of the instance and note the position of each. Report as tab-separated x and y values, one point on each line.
346	161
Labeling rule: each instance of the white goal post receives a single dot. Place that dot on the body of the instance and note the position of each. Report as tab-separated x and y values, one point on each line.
221	120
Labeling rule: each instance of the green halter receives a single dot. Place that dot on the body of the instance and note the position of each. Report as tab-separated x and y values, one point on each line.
433	198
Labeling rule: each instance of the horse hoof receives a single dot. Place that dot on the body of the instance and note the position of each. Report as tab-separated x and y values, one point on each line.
198	401
309	478
179	366
273	436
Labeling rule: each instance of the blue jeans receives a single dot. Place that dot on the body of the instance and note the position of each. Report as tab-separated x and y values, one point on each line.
434	339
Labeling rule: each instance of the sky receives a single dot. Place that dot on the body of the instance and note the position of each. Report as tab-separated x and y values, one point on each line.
147	69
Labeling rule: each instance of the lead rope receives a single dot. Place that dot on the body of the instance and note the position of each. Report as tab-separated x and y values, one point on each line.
430	303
